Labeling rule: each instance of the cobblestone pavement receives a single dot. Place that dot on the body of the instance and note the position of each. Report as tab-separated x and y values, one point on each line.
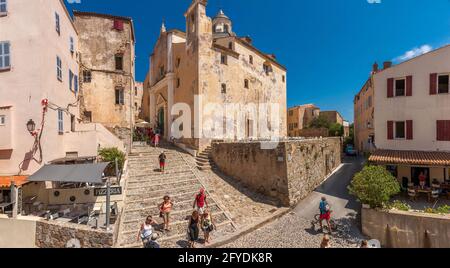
295	230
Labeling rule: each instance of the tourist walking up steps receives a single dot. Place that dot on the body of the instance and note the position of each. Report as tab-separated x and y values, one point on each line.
200	203
193	229
162	161
165	208
146	231
207	225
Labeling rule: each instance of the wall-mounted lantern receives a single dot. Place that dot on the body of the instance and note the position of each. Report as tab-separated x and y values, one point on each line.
31	127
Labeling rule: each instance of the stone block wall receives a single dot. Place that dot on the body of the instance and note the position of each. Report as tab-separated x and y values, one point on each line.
288	173
56	235
398	229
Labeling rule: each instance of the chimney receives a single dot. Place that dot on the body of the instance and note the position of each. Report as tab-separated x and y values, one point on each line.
387	64
273	56
375	68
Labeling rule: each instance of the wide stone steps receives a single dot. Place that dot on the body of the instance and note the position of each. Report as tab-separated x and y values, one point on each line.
144	192
179	241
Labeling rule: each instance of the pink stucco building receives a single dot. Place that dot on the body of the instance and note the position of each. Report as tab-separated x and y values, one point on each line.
39	83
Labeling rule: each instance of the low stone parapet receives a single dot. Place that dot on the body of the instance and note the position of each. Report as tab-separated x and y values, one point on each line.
401	229
57	235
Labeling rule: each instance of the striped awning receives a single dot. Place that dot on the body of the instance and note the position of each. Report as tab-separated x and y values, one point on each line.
418	158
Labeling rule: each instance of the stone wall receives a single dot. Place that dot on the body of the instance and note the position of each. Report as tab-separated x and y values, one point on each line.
56	235
398	229
289	172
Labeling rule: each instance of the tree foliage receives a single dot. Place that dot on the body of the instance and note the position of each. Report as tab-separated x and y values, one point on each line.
320	122
374	186
110	155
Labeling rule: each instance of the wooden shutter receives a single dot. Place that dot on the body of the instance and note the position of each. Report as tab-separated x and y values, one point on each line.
443	130
390	88
409	85
409	130
390	130
433	84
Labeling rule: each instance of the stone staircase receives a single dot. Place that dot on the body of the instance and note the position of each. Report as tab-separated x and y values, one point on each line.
204	160
145	189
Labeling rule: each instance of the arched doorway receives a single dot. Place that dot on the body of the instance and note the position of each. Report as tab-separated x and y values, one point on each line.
161	121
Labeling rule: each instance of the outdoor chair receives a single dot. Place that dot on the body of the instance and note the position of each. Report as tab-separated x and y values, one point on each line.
435	195
412	194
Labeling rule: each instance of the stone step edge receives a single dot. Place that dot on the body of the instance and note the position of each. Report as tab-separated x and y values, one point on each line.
173	189
174	212
160	184
172	224
157	198
177	203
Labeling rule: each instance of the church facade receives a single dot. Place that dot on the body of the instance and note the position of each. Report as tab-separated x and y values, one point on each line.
207	83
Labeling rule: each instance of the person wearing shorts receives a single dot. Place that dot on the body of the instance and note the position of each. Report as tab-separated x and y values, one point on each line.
165	208
200	203
162	162
325	213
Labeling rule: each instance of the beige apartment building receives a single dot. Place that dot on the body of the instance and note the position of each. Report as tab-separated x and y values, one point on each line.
300	117
412	117
107	60
333	117
39	89
209	63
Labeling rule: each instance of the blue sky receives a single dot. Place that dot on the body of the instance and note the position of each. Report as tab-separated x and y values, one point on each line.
328	46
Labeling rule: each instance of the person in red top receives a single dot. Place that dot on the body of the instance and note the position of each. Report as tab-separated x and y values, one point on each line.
422	180
200	203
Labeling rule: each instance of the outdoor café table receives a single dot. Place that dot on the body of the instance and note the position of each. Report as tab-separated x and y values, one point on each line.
426	191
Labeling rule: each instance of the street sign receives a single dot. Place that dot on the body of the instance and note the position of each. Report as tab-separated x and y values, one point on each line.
102	191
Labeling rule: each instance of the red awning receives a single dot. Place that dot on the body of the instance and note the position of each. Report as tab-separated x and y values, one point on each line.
5	181
418	158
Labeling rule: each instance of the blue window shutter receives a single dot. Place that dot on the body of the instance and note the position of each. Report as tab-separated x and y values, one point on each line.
76	84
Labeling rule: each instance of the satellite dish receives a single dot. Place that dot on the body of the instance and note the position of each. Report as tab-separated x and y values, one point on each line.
374	243
73	243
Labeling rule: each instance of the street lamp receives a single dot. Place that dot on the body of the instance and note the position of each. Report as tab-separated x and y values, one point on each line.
31	126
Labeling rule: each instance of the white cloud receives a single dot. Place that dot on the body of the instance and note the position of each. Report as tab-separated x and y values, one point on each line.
414	53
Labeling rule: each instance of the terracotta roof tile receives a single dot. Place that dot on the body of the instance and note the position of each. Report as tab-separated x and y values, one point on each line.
420	158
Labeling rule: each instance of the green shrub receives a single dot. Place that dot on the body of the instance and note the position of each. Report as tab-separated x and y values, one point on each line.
440	210
110	155
399	205
374	186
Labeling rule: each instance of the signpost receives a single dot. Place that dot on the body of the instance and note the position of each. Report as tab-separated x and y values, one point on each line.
112	191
